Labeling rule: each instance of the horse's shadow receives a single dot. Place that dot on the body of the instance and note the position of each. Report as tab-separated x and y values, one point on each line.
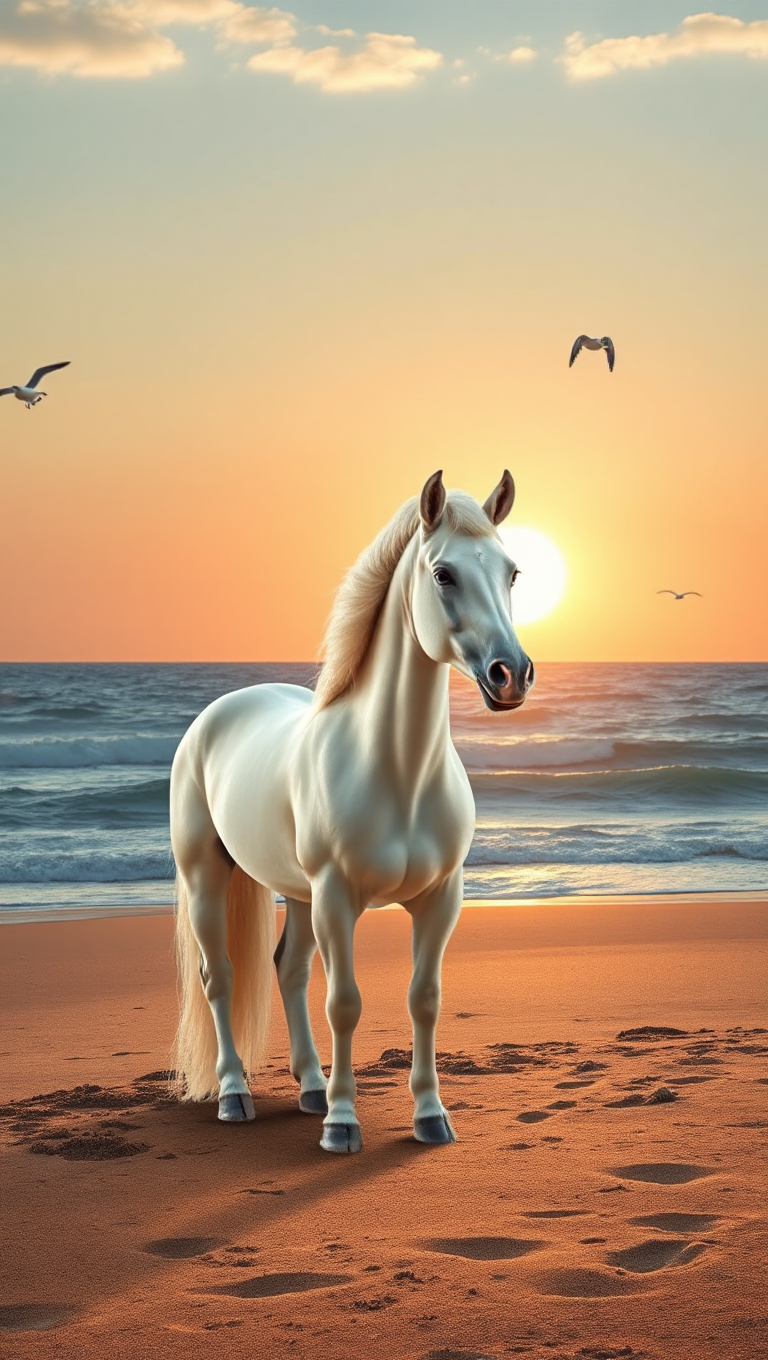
282	1145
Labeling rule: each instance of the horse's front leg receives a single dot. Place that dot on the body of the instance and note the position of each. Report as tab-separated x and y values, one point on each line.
434	916
293	961
334	917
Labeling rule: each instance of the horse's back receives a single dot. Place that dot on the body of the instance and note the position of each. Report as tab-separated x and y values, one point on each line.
240	716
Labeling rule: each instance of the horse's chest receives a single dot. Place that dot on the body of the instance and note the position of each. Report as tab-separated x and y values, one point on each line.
396	847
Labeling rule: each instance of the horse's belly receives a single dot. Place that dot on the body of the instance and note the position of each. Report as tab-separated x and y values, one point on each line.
275	872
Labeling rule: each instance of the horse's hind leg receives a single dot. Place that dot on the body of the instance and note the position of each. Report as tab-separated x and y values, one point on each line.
207	888
293	961
204	1059
207	884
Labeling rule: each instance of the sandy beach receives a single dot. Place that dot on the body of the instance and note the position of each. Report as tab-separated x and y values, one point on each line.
605	1198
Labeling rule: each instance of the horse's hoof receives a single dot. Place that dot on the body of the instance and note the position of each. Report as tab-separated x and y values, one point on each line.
341	1138
314	1102
236	1109
434	1128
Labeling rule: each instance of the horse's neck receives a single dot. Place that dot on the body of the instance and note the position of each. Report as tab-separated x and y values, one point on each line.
400	696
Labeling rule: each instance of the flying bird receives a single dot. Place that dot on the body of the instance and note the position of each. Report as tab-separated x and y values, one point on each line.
30	394
682	595
588	342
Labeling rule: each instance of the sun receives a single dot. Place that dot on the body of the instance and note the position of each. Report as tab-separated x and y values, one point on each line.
540	586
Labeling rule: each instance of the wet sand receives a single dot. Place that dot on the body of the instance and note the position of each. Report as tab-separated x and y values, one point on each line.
606	1196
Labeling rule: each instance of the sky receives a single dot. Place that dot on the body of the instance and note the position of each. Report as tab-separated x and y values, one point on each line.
300	258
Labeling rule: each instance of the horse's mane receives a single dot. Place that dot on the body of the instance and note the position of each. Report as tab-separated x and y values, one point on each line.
361	594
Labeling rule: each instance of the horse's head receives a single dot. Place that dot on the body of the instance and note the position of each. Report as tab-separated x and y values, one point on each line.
461	601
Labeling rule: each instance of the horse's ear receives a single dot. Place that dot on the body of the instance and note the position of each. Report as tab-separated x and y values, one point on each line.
501	499
432	502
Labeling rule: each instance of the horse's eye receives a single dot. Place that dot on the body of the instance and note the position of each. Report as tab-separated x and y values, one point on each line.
444	577
515	575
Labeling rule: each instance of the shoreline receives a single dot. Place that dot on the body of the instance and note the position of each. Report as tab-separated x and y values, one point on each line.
46	915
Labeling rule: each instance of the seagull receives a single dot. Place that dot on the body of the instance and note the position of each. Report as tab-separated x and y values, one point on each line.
29	394
681	596
587	342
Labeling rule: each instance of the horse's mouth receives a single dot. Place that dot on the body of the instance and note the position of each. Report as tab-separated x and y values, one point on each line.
495	705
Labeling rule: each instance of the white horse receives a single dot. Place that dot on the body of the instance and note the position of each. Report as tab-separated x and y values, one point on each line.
347	798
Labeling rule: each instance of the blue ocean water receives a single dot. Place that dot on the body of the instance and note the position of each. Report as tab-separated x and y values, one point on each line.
612	779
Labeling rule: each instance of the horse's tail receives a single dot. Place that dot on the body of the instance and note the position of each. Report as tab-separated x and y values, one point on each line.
250	933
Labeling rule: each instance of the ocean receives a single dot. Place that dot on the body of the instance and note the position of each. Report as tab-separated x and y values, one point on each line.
612	779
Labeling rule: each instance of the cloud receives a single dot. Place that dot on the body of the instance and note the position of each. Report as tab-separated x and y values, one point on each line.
105	39
697	36
386	61
234	21
334	32
522	54
245	24
123	38
161	13
517	56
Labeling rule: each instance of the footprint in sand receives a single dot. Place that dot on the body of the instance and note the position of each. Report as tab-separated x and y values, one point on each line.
676	1223
656	1032
605	1352
90	1097
533	1116
655	1254
282	1282
555	1213
34	1317
662	1173
458	1355
87	1147
582	1283
483	1248
182	1248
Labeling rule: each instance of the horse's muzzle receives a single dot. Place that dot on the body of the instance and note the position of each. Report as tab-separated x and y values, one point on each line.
505	684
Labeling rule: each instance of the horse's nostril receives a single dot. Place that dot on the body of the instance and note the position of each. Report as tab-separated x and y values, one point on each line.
529	675
498	674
